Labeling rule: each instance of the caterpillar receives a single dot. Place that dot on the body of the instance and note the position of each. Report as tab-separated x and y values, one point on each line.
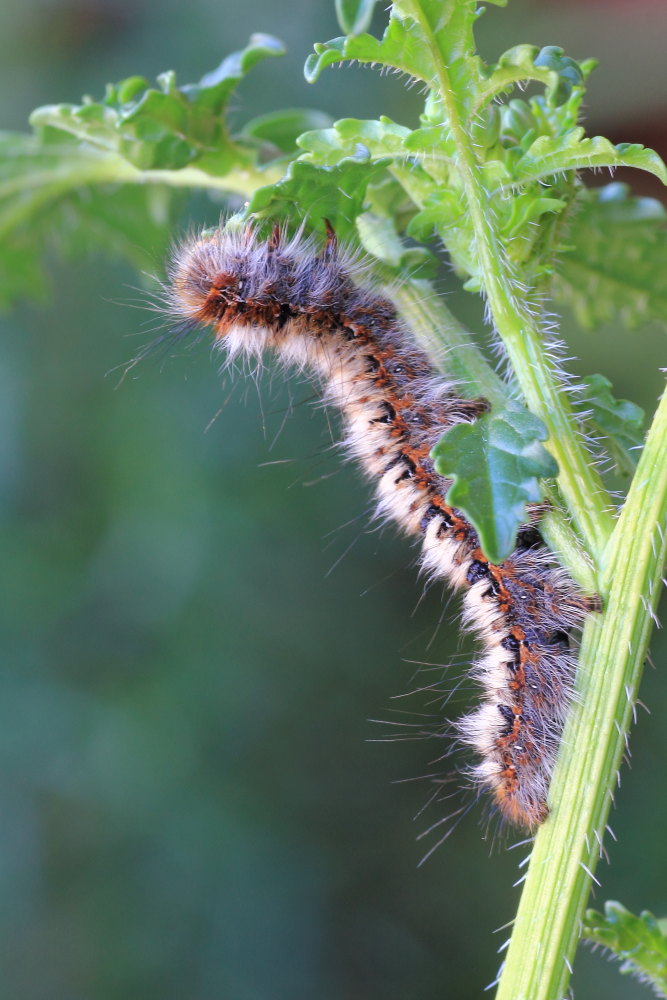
315	307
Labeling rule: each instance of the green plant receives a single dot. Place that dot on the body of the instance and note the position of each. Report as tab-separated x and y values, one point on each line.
497	179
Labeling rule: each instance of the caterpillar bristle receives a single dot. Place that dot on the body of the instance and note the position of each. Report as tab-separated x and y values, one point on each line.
315	307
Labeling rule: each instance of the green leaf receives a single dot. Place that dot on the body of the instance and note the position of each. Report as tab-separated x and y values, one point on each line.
312	193
166	128
496	463
424	34
419	34
639	942
382	144
342	174
98	175
614	263
379	237
356	139
528	151
619	420
560	74
386	197
50	197
281	129
567	72
354	16
574	151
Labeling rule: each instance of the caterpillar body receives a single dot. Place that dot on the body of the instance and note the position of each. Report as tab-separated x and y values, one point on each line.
313	306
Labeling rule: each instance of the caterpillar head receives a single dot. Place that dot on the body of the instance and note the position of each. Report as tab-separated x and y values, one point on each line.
239	284
206	278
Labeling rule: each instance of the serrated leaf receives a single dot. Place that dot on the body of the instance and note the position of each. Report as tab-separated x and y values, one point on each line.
574	151
357	139
381	143
619	420
496	464
614	264
529	151
354	16
166	128
639	942
316	193
559	73
331	177
419	34
76	183
424	34
568	72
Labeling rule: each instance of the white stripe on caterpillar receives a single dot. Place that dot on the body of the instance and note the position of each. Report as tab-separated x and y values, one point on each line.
315	307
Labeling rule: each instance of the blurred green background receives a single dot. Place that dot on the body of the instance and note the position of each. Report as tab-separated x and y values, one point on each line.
199	621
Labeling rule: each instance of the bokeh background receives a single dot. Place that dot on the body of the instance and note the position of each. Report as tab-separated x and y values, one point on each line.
199	622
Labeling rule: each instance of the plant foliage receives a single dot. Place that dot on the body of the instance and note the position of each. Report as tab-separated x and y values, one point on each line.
639	942
613	263
620	421
496	463
495	180
105	174
110	169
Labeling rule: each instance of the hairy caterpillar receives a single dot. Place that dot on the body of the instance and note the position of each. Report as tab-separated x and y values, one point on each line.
299	299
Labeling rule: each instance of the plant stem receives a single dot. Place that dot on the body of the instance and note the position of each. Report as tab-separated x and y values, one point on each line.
243	181
613	650
451	349
581	486
110	168
629	558
566	544
448	344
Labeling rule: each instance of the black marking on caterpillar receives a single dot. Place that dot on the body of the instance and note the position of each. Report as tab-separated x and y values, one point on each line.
315	308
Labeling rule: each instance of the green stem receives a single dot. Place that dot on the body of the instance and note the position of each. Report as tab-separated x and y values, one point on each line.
629	557
613	650
566	544
244	181
451	349
581	486
446	341
114	169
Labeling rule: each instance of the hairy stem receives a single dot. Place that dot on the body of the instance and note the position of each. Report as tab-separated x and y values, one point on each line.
581	486
446	341
629	557
613	650
451	350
